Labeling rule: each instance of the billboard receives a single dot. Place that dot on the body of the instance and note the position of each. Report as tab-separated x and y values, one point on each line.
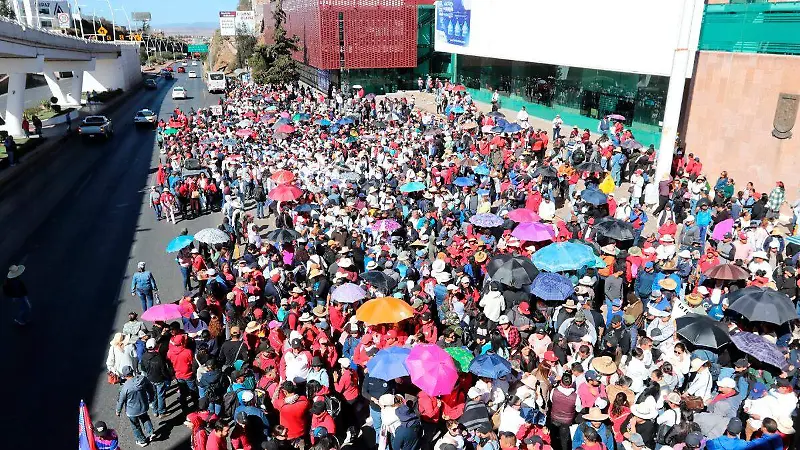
197	48
246	22
53	14
631	36
141	16
227	23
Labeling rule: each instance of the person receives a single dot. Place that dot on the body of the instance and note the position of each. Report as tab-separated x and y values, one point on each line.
121	354
181	359
144	285
154	366
730	440
135	397
217	438
105	438
15	290
11	150
293	408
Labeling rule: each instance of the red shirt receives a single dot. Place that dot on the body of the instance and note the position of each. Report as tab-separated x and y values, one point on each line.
294	416
347	385
430	408
216	442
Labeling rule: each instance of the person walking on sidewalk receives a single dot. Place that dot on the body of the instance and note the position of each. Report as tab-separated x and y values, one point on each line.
144	284
135	397
16	290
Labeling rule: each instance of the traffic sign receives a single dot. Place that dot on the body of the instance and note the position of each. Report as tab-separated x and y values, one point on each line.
102	31
137	37
198	48
121	37
216	110
63	20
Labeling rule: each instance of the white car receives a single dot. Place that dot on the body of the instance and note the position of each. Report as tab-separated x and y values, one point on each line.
184	64
194	63
192	74
178	92
145	117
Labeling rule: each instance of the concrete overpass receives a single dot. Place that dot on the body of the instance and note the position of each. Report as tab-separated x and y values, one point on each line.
95	66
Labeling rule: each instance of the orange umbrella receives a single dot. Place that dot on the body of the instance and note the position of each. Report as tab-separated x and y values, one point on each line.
282	177
384	310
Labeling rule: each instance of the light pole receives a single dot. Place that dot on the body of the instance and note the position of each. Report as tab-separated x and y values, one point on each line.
113	22
127	17
80	17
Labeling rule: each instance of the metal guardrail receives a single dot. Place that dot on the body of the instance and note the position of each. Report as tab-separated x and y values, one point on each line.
25	27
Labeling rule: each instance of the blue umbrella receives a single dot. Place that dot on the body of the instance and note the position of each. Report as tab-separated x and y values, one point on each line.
560	256
551	286
388	363
483	191
760	348
500	122
512	128
334	128
306	207
486	220
345	121
594	196
324	122
481	170
413	186
179	243
489	365
464	182
454	109
229	142
496	129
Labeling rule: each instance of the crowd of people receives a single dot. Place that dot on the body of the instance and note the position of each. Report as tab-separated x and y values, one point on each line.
455	281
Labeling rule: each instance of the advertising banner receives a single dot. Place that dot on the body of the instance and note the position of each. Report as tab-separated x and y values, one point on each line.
227	23
453	22
246	22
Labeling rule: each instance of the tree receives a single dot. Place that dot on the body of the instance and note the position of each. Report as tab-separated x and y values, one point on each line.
273	63
6	10
245	5
245	45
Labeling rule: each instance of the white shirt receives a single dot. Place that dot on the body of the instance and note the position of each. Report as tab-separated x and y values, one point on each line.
701	385
547	210
493	305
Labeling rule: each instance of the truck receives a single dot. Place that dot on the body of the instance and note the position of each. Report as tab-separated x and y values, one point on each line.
215	82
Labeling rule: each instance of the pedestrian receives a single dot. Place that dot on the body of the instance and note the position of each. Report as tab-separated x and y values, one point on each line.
155	202
105	438
181	360
26	127
15	290
135	397
144	285
11	150
154	366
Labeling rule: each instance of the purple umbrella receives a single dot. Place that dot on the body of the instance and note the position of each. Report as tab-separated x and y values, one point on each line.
616	117
486	220
348	293
389	225
534	232
760	348
726	226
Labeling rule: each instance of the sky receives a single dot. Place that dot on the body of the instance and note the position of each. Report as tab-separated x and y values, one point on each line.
164	11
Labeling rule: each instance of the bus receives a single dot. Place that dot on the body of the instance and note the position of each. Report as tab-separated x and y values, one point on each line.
215	82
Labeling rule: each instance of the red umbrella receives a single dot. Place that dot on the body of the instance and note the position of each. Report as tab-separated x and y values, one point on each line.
244	133
249	114
282	177
285	193
285	128
459	88
498	141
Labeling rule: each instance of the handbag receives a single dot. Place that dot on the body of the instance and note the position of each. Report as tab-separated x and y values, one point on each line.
156	298
693	402
113	378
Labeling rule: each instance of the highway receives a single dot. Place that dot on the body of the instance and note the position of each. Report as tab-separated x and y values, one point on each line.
80	224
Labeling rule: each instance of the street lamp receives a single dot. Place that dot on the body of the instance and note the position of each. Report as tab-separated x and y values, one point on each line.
113	22
127	17
80	17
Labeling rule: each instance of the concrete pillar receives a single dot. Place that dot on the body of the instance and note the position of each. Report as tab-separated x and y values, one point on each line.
55	88
74	95
15	103
677	83
29	15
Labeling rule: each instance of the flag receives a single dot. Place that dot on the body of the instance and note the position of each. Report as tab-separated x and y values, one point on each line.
85	430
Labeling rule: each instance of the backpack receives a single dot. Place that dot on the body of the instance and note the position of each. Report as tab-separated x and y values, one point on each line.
664	430
216	390
230	401
333	405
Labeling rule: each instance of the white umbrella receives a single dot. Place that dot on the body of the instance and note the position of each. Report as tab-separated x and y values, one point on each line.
244	123
211	236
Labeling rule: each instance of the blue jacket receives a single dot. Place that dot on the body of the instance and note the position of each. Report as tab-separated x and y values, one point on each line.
135	396
143	281
703	218
606	435
726	443
644	283
349	349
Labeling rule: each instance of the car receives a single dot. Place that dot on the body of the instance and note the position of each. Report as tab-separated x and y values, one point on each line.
178	92
184	63
169	76
194	63
181	70
145	117
169	69
151	84
192	74
95	126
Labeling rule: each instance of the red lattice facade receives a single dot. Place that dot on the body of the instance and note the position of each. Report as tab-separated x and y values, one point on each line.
352	34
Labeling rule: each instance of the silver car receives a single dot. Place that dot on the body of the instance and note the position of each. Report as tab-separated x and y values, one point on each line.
145	117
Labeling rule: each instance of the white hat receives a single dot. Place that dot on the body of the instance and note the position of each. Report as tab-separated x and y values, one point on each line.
344	362
697	363
438	266
247	396
503	320
15	271
760	254
474	392
372	265
685	254
211	272
688	219
667	238
442	277
645	410
726	383
774	244
386	400
150	344
586	281
345	262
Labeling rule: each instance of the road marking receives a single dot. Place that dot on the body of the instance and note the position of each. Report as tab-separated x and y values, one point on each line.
121	205
83	185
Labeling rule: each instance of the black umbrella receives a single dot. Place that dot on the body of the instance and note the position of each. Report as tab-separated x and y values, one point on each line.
546	172
591	167
762	305
383	282
702	330
282	235
514	271
616	229
631	144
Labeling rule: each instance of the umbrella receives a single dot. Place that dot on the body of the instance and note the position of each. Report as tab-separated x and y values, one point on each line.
431	369
246	132
702	330
720	229
631	144
211	236
379	279
458	88
280	122
487	128
619	117
324	123
272	108
552	286
285	193
591	167
462	356
481	170
387	364
244	123
486	220
297	117
388	225
280	136
433	132
285	128
350	176
348	293
533	231
471	125
228	142
285	115
464	182
282	177
413	186
490	365
344	121
730	272
384	310
282	235
511	270
380	124
760	348
170	131
512	128
520	215
545	172
306	207
179	243
561	256
594	197
616	229
468	162
495	114
762	305
163	312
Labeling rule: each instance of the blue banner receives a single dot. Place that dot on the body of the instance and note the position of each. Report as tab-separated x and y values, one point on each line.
453	21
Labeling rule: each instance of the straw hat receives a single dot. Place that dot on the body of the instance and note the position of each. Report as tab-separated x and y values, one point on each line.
694	299
595	415
252	327
314	272
604	365
319	311
610	249
480	256
635	251
15	271
668	284
586	281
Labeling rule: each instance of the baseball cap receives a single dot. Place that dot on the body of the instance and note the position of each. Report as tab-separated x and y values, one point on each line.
591	375
759	389
150	344
693	439
636	439
735	426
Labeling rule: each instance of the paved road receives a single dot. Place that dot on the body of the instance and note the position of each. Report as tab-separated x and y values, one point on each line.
35	95
80	225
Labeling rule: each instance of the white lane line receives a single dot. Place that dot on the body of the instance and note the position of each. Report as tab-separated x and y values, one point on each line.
83	185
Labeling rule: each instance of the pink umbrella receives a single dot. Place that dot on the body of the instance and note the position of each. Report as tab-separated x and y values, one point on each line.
166	311
285	193
432	369
389	225
726	226
285	114
534	232
285	128
244	132
520	215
